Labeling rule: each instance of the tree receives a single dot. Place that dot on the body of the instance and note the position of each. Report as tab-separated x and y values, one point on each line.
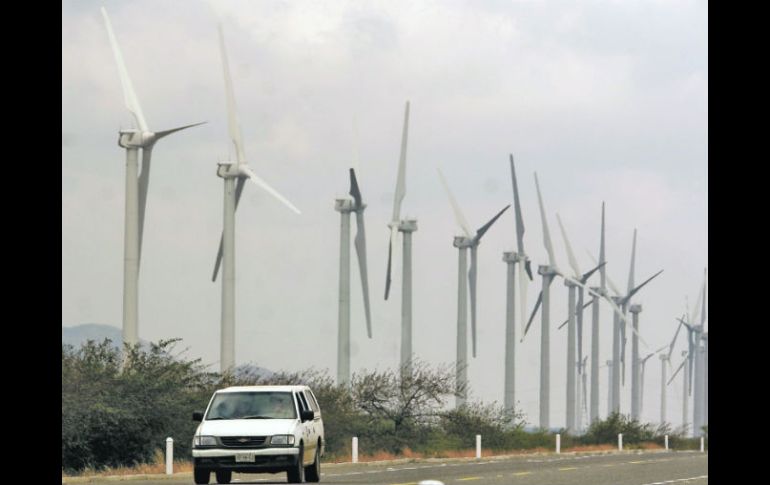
397	403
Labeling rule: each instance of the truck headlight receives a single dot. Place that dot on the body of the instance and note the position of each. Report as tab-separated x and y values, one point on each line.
282	439
204	441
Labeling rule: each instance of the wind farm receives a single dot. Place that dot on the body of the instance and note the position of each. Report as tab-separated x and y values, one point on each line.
533	334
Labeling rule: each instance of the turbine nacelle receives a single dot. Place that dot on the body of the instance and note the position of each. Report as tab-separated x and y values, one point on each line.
133	138
346	205
544	270
463	242
514	257
407	225
602	292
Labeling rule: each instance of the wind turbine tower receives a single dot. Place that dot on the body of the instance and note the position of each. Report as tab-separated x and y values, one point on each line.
511	258
463	243
345	207
132	140
405	227
235	174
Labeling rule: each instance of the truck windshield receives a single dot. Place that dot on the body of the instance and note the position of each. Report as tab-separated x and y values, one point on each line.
252	405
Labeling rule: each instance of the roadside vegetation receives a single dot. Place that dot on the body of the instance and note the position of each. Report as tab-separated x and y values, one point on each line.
118	408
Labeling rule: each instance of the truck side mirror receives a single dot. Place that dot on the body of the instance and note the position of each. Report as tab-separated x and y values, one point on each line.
197	416
306	415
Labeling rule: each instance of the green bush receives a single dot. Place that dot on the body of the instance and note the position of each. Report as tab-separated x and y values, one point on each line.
606	431
118	407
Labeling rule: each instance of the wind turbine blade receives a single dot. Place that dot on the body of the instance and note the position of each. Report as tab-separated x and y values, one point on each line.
622	316
480	233
635	290
233	126
703	302
360	243
472	284
165	133
532	316
129	95
254	178
601	255
608	279
519	218
455	207
218	261
355	191
401	180
684	361
578	308
570	254
633	261
144	182
238	191
523	283
579	320
697	307
660	349
390	258
546	233
623	325
690	358
586	276
673	341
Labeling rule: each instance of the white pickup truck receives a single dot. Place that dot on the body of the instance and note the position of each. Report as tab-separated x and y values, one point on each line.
259	429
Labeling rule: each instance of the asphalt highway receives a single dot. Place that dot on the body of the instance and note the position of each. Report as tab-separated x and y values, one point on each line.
630	468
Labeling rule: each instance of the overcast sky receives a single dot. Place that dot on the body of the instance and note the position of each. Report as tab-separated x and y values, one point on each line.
607	101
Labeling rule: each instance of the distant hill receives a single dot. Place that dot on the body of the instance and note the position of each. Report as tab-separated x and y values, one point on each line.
80	334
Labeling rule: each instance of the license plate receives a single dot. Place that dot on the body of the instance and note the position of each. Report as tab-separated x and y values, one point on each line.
244	457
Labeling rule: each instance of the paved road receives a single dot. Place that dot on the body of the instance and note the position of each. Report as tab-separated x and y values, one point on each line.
595	469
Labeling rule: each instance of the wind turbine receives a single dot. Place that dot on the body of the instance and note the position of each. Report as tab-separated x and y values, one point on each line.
620	304
462	243
573	313
511	258
132	140
345	207
548	272
699	358
694	360
685	381
641	383
234	175
406	227
665	359
600	292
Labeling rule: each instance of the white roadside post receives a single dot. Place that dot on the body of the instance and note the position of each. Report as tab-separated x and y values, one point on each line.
666	440
701	444
169	456
478	446
620	441
355	449
558	444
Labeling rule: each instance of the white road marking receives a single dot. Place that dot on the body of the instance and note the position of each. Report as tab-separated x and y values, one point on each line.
678	480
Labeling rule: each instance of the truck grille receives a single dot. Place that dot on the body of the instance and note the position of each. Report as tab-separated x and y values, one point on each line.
243	441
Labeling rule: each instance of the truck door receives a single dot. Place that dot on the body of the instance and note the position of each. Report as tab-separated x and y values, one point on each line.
309	434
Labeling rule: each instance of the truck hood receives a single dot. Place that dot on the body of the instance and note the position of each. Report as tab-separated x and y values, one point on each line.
247	427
